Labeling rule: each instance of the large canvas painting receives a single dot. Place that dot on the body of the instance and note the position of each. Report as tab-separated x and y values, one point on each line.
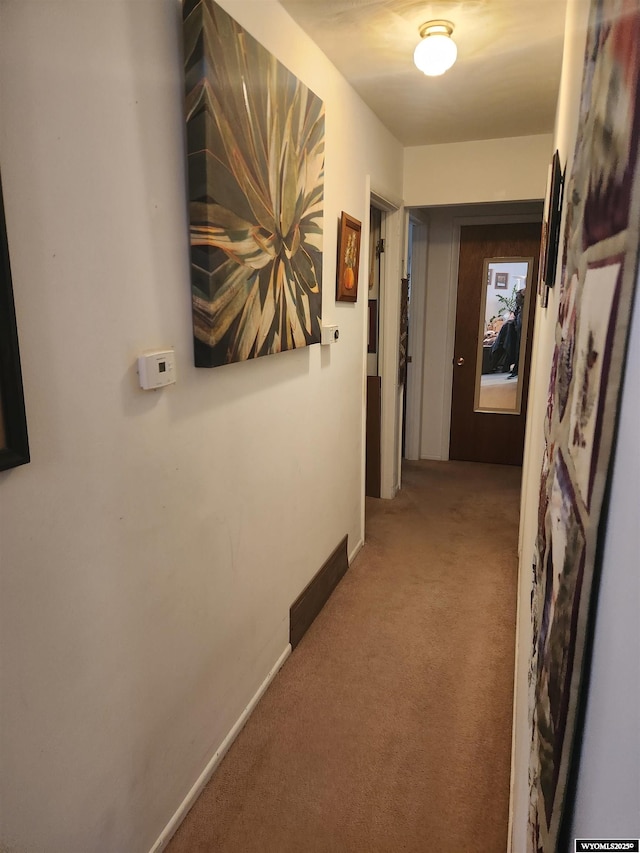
255	145
599	271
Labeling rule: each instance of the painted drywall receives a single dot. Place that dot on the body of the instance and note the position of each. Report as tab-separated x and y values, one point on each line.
487	170
438	319
609	782
152	548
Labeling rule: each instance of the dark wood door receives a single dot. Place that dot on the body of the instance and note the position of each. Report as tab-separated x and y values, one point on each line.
482	436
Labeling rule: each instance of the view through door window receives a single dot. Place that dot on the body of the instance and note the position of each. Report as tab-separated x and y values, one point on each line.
501	343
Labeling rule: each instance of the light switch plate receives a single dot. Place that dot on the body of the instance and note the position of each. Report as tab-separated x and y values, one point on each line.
329	334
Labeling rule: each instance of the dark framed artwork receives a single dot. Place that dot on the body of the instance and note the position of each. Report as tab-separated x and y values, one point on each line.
600	268
14	442
552	219
501	281
348	258
543	290
255	146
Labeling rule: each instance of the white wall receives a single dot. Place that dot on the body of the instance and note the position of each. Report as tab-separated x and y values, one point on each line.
152	548
486	170
609	782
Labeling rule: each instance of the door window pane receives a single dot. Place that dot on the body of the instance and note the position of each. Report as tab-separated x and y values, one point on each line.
504	315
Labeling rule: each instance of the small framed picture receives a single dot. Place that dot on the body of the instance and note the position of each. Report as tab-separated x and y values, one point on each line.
501	281
348	258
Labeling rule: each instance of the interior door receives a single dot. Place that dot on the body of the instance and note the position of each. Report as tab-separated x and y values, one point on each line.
498	272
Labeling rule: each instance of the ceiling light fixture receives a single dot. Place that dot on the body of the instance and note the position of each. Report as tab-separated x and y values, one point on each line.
437	51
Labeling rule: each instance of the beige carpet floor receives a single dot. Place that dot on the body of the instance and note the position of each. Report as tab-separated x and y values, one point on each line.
389	727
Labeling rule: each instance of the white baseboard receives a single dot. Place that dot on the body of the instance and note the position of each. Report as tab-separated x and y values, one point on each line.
168	832
356	551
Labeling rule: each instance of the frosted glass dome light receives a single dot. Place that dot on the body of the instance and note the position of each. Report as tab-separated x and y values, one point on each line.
437	51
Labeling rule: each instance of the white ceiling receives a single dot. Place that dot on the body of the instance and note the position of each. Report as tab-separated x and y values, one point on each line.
505	82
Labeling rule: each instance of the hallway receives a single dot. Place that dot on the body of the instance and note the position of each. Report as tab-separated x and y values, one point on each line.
389	727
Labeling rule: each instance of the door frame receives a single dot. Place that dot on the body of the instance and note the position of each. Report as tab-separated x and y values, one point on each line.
419	236
458	224
490	436
421	326
388	342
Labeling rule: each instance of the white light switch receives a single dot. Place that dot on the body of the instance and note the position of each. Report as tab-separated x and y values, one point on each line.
157	369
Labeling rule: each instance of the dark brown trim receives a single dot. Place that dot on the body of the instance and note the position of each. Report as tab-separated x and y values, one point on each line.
14	443
316	594
372	467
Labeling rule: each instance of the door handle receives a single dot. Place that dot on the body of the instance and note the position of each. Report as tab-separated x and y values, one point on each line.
460	361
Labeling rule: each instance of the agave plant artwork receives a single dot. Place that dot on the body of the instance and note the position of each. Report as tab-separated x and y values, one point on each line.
255	145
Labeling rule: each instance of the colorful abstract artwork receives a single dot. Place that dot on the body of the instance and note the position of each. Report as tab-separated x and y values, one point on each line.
599	270
255	145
